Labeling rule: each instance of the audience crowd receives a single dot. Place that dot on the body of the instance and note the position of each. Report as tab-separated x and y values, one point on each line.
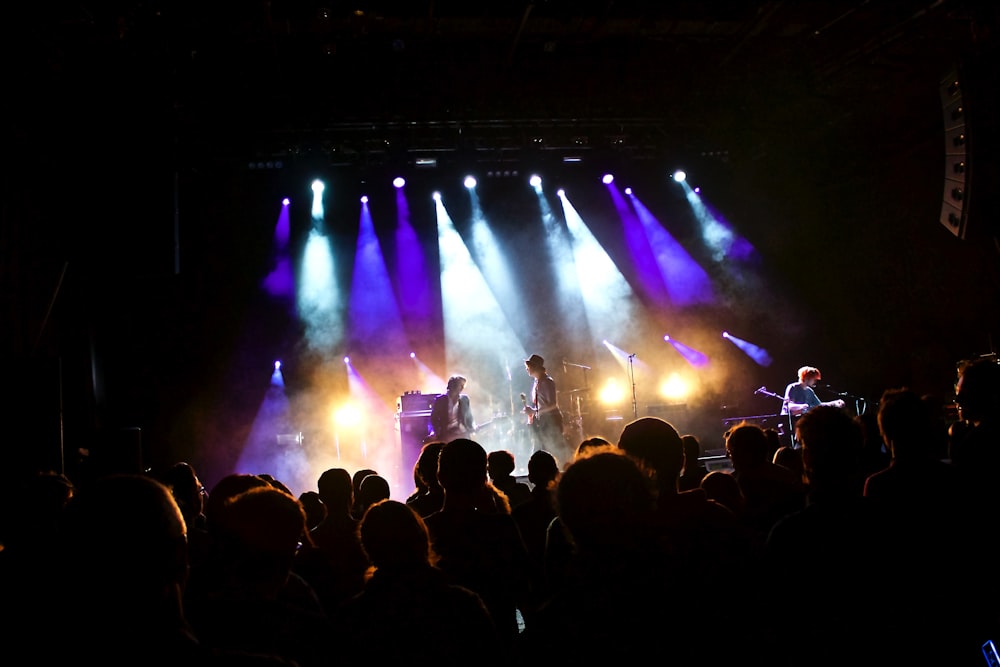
822	555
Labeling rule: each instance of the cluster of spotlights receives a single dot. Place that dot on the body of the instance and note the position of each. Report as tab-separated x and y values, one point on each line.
470	182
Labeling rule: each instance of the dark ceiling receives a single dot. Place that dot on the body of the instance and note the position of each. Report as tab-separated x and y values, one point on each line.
290	78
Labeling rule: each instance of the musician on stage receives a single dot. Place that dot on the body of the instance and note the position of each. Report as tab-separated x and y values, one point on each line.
543	410
800	397
451	413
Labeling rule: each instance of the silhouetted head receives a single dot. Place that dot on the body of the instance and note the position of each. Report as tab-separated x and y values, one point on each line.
336	489
832	443
393	535
226	488
183	482
358	477
427	463
500	464
593	444
543	469
723	489
127	538
260	531
978	390
790	458
657	445
747	446
605	502
373	489
692	450
275	482
910	426
462	467
32	512
314	507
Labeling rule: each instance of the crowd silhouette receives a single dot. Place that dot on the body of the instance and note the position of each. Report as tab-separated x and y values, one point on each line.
632	550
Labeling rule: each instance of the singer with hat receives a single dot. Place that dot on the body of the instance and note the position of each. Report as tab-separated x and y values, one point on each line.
542	409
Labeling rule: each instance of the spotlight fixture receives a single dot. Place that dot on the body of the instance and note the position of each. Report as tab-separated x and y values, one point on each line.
608	178
399	182
679	176
470	182
264	165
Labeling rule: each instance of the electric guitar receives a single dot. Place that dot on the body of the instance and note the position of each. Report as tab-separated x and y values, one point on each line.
536	418
527	410
463	433
837	403
792	418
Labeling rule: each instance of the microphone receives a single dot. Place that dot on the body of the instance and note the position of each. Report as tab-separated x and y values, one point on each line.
760	390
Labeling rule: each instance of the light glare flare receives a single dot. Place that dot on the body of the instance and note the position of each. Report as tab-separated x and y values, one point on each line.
611	393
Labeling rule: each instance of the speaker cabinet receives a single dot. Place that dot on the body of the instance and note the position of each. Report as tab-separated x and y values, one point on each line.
414	427
957	166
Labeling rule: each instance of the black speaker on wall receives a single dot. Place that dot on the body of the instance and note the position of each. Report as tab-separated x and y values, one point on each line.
957	166
970	203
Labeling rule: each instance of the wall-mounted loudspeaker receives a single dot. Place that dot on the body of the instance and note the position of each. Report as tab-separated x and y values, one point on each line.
957	166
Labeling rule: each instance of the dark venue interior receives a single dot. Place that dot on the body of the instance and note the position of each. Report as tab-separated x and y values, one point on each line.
149	146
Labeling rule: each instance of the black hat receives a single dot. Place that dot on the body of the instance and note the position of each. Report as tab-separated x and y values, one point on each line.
534	361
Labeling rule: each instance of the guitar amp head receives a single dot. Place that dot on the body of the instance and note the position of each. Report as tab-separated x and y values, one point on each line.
416	402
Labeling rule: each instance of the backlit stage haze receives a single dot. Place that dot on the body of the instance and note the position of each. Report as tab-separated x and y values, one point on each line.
155	274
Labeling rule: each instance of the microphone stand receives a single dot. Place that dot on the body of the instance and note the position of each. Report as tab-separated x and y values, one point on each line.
631	373
860	404
510	391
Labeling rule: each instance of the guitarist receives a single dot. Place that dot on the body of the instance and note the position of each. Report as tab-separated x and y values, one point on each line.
800	397
451	414
542	409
